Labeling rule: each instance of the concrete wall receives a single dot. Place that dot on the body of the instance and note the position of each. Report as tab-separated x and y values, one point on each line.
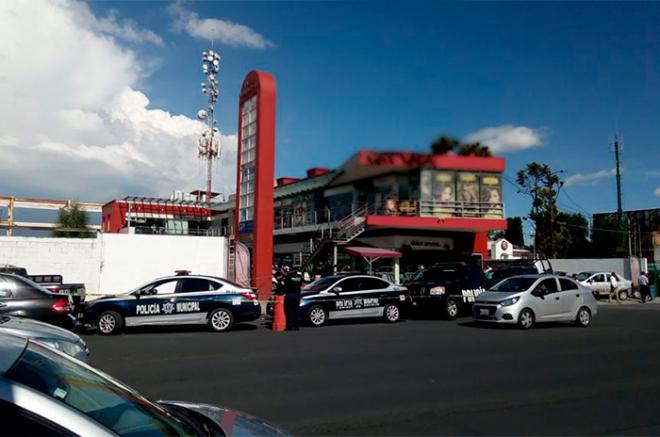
620	266
131	260
76	259
113	263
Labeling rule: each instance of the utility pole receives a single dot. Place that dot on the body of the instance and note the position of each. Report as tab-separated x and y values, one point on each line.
619	203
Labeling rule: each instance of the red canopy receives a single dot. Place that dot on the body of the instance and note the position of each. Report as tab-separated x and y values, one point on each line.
372	252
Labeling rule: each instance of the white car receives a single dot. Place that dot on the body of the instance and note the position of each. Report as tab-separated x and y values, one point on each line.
599	282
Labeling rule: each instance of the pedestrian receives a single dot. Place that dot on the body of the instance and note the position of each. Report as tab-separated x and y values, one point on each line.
614	288
574	276
644	286
291	286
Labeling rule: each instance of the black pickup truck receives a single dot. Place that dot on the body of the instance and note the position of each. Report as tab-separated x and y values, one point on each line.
446	289
52	283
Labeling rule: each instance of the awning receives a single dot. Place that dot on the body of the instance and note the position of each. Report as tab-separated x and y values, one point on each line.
372	252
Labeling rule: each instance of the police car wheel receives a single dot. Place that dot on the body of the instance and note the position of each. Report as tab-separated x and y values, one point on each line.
391	313
316	316
451	309
221	320
109	323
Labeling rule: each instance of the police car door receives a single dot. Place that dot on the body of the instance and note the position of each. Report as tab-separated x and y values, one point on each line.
343	305
154	304
195	299
374	296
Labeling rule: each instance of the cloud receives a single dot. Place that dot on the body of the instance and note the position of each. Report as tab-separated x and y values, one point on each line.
589	178
73	124
507	138
657	192
213	29
112	25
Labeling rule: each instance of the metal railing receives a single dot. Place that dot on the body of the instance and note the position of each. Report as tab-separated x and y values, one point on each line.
161	230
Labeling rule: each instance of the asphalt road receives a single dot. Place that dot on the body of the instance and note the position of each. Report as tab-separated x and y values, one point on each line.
416	377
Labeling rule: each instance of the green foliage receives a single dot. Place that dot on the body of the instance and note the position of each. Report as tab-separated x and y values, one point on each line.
514	231
543	185
495	235
573	240
73	217
608	237
446	144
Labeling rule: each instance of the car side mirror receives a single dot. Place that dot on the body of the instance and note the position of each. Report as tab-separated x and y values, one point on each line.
337	290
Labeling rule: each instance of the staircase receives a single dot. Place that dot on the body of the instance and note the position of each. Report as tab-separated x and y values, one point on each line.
231	259
348	229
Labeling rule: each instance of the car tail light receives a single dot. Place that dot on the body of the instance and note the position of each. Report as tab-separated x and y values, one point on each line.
60	306
249	296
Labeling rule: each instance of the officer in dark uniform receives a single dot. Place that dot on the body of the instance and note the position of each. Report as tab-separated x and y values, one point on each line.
291	285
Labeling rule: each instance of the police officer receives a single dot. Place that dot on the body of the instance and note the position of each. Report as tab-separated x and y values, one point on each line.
291	286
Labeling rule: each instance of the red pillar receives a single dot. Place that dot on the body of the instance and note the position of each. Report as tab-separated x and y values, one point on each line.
481	244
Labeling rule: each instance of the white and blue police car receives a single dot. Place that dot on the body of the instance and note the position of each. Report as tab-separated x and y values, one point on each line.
182	299
347	297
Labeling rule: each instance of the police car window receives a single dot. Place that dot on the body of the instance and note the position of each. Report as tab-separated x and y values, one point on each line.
372	284
567	284
167	287
350	284
191	285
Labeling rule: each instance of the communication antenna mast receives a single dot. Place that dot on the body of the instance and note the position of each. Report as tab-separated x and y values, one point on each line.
209	143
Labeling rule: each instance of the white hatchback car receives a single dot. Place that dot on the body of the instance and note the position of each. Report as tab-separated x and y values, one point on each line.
527	299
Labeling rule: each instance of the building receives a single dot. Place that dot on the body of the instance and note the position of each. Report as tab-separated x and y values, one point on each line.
503	249
430	208
182	214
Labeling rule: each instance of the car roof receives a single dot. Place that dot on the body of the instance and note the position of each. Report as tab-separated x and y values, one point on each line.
11	348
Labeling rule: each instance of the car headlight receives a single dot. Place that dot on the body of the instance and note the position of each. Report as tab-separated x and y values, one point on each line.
509	302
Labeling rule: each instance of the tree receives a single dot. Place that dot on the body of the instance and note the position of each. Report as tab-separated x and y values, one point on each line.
496	235
72	217
446	144
608	237
514	231
543	186
573	239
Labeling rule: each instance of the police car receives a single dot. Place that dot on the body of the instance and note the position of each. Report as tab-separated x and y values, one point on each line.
346	297
182	299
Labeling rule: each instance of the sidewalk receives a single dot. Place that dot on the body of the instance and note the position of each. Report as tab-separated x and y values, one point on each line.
629	302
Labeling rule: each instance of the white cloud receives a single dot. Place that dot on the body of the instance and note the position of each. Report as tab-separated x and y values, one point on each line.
589	178
213	29
73	124
507	138
657	192
112	25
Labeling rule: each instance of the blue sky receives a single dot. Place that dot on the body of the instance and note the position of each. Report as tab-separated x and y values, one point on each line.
395	75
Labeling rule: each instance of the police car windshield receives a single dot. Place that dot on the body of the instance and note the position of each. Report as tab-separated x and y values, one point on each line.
94	394
514	285
322	283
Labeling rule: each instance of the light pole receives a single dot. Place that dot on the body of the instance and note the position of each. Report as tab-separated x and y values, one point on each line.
208	144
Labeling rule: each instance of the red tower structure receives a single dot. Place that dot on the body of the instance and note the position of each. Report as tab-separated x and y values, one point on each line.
256	174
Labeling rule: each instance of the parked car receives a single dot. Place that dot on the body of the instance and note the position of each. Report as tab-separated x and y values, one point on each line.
175	300
526	300
53	336
348	297
447	289
45	392
53	283
20	297
599	283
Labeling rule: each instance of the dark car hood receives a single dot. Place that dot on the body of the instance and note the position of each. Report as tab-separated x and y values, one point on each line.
232	422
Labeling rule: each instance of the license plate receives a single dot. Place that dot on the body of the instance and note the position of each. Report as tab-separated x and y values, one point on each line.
483	312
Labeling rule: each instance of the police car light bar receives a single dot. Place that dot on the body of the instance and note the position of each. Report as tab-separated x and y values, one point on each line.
182	272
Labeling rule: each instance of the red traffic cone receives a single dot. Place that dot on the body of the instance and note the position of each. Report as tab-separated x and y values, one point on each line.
279	318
